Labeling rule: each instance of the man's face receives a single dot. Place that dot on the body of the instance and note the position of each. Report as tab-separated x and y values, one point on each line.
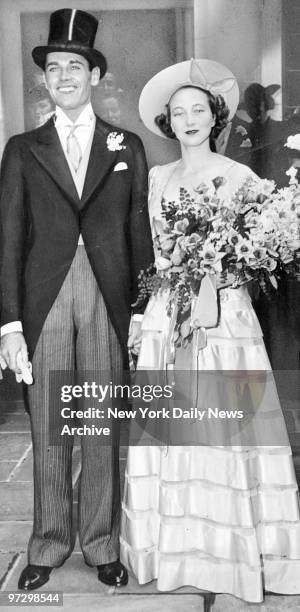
69	81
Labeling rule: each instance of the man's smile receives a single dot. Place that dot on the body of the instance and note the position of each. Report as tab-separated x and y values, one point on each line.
67	88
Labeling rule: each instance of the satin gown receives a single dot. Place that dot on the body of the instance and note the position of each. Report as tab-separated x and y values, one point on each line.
223	519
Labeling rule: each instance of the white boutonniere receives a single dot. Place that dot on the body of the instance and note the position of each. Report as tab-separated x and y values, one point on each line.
114	141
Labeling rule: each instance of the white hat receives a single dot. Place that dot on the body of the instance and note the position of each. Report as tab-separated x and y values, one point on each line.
203	73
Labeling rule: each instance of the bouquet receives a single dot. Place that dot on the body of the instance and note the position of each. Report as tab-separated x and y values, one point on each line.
254	235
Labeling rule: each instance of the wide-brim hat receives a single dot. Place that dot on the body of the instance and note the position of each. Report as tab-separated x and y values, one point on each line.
72	31
203	73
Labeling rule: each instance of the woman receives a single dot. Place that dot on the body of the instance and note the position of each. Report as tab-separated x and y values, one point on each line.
224	519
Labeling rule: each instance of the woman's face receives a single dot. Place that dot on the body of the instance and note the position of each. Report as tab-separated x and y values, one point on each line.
191	116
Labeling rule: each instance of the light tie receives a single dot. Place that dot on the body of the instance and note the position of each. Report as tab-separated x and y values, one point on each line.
73	148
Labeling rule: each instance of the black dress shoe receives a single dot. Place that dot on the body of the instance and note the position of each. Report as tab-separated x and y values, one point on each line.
113	574
34	576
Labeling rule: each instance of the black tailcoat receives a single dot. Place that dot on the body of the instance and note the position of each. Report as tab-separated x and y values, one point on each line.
41	217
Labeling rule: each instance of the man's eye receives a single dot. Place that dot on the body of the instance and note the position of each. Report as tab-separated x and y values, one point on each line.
75	67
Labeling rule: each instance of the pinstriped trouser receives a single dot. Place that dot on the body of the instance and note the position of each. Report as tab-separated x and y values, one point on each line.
77	334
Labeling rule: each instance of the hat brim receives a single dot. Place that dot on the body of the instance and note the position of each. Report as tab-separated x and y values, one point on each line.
158	91
94	57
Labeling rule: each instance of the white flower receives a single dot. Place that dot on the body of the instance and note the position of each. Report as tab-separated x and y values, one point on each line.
240	129
114	141
292	173
246	143
162	263
293	142
243	250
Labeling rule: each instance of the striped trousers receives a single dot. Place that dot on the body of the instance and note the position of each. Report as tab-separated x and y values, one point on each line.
77	334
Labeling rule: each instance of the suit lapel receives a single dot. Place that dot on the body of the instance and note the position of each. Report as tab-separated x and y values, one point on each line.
49	153
100	162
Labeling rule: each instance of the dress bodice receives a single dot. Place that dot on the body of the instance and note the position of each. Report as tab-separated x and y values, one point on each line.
234	174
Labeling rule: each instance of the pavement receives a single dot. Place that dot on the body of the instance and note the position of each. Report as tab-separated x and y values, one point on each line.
78	583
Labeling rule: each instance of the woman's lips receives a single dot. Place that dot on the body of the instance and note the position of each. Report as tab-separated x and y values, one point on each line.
191	132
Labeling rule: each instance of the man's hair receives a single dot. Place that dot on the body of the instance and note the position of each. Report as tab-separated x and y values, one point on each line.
217	106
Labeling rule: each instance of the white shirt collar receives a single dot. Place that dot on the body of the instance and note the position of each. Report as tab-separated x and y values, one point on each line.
86	117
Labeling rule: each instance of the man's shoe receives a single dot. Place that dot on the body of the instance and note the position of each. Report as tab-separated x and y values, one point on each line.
113	574
34	576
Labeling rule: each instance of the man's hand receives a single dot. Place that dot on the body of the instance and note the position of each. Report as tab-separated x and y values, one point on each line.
135	336
10	345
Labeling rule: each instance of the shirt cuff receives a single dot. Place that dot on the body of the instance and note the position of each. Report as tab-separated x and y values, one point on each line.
14	326
137	317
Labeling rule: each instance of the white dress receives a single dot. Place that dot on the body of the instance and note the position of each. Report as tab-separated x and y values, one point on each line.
222	519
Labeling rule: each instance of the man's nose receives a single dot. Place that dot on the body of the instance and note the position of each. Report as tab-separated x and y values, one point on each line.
64	74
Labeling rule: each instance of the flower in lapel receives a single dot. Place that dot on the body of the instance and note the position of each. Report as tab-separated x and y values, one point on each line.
114	141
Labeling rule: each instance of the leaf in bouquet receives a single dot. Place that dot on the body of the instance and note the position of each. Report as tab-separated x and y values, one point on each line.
273	281
177	255
273	254
186	341
176	335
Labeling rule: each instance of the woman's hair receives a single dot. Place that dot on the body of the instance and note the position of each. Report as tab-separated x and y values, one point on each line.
218	108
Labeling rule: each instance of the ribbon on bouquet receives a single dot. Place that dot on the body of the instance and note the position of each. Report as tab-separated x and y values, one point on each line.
170	346
205	312
204	315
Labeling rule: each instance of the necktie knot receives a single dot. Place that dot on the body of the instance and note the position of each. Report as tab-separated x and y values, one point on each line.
73	147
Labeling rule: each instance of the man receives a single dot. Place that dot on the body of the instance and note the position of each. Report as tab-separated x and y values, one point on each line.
74	236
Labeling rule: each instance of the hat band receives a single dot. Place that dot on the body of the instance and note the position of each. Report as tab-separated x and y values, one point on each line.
69	44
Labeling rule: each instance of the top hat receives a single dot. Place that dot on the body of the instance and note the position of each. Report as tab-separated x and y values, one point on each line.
203	73
72	31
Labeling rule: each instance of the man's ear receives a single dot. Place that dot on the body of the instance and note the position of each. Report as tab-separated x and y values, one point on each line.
95	78
44	80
